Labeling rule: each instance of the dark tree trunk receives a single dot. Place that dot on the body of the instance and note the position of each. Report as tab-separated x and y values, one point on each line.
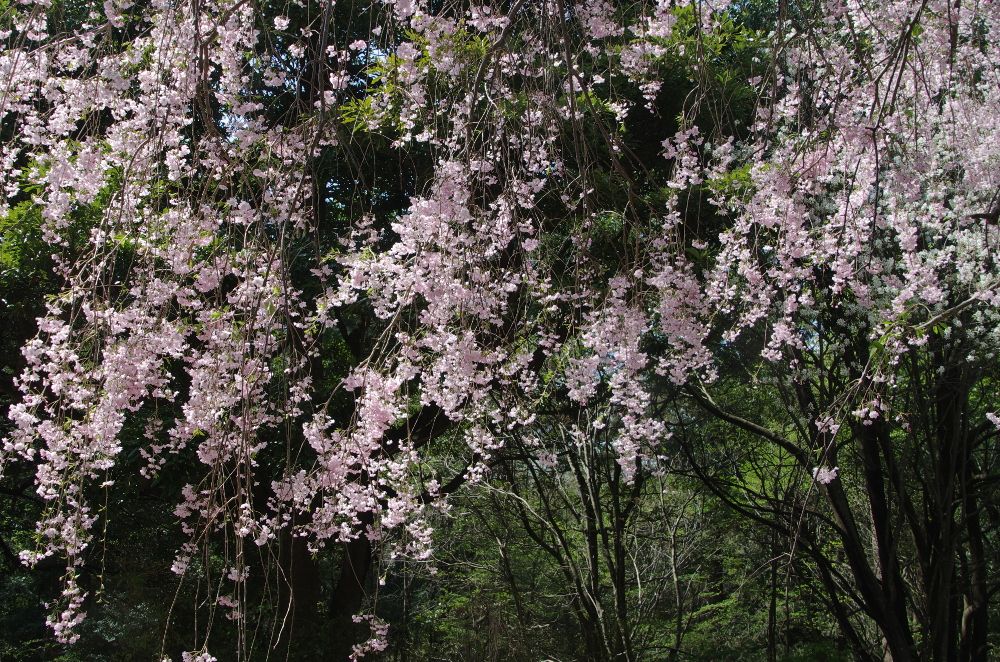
348	596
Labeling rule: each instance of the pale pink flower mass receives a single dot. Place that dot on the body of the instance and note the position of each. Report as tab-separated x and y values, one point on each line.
848	204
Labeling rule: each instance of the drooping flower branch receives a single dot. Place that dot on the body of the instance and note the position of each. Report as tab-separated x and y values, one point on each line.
862	195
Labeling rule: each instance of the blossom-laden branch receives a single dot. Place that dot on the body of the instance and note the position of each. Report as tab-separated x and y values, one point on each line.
199	131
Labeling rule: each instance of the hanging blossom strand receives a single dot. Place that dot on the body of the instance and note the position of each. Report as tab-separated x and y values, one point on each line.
874	199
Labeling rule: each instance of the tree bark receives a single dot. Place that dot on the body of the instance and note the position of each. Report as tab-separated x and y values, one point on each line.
348	596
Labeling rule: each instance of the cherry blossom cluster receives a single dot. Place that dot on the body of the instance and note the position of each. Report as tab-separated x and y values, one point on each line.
866	184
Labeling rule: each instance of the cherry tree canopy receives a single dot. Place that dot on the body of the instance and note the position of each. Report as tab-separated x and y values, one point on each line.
861	197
